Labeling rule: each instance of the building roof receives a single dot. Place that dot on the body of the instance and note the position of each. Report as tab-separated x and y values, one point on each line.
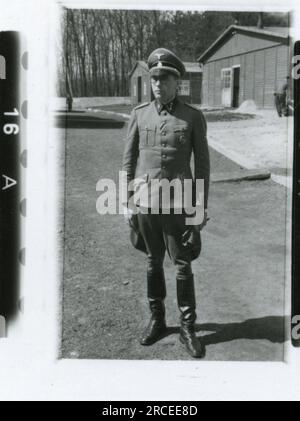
271	30
280	34
190	67
139	63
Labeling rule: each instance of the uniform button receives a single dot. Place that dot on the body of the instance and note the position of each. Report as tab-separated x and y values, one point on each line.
163	133
164	145
164	156
163	167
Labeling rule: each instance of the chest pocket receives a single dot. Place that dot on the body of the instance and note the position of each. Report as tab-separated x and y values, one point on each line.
147	136
181	134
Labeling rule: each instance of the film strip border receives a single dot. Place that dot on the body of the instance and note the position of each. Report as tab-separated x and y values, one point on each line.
13	161
295	335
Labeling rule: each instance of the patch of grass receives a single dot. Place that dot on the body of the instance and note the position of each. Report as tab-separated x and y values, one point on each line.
118	108
211	116
215	116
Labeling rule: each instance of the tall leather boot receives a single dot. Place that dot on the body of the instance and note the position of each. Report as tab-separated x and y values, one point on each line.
157	324
156	295
187	308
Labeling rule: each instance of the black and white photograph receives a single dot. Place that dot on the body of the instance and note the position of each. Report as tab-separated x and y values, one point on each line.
174	95
149	195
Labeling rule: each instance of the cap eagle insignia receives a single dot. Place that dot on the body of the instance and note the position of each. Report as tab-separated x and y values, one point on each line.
159	55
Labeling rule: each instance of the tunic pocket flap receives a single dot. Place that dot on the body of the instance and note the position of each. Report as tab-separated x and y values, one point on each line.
147	129
182	128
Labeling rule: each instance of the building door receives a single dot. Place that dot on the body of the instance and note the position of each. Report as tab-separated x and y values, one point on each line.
139	86
226	87
236	86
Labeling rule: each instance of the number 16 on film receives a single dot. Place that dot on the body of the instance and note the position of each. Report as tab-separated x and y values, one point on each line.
11	128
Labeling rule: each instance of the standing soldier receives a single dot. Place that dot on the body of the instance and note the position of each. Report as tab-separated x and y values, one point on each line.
282	98
161	136
69	102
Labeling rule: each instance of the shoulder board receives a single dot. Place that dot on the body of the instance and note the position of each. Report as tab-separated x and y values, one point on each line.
192	106
141	105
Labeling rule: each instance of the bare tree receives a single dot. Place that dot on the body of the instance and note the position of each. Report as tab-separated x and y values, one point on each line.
100	47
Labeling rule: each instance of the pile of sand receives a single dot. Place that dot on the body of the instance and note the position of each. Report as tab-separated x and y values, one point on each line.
247	106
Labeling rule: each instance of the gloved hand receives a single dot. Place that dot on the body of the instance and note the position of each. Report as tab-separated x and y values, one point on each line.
128	213
204	222
186	235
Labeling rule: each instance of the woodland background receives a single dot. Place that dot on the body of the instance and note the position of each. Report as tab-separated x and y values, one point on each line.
100	47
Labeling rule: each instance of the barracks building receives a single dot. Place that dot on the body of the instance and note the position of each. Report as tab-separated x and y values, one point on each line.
245	63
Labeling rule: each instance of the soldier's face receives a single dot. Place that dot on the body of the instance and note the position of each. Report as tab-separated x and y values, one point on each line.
164	87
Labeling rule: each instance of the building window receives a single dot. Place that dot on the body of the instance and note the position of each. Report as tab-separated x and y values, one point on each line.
184	88
226	78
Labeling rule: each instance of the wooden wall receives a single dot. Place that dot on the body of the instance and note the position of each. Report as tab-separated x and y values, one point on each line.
262	72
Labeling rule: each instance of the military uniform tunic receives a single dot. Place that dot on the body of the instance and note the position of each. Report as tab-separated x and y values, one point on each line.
159	145
160	141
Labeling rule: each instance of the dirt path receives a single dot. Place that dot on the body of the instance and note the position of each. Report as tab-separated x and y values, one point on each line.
262	142
239	276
